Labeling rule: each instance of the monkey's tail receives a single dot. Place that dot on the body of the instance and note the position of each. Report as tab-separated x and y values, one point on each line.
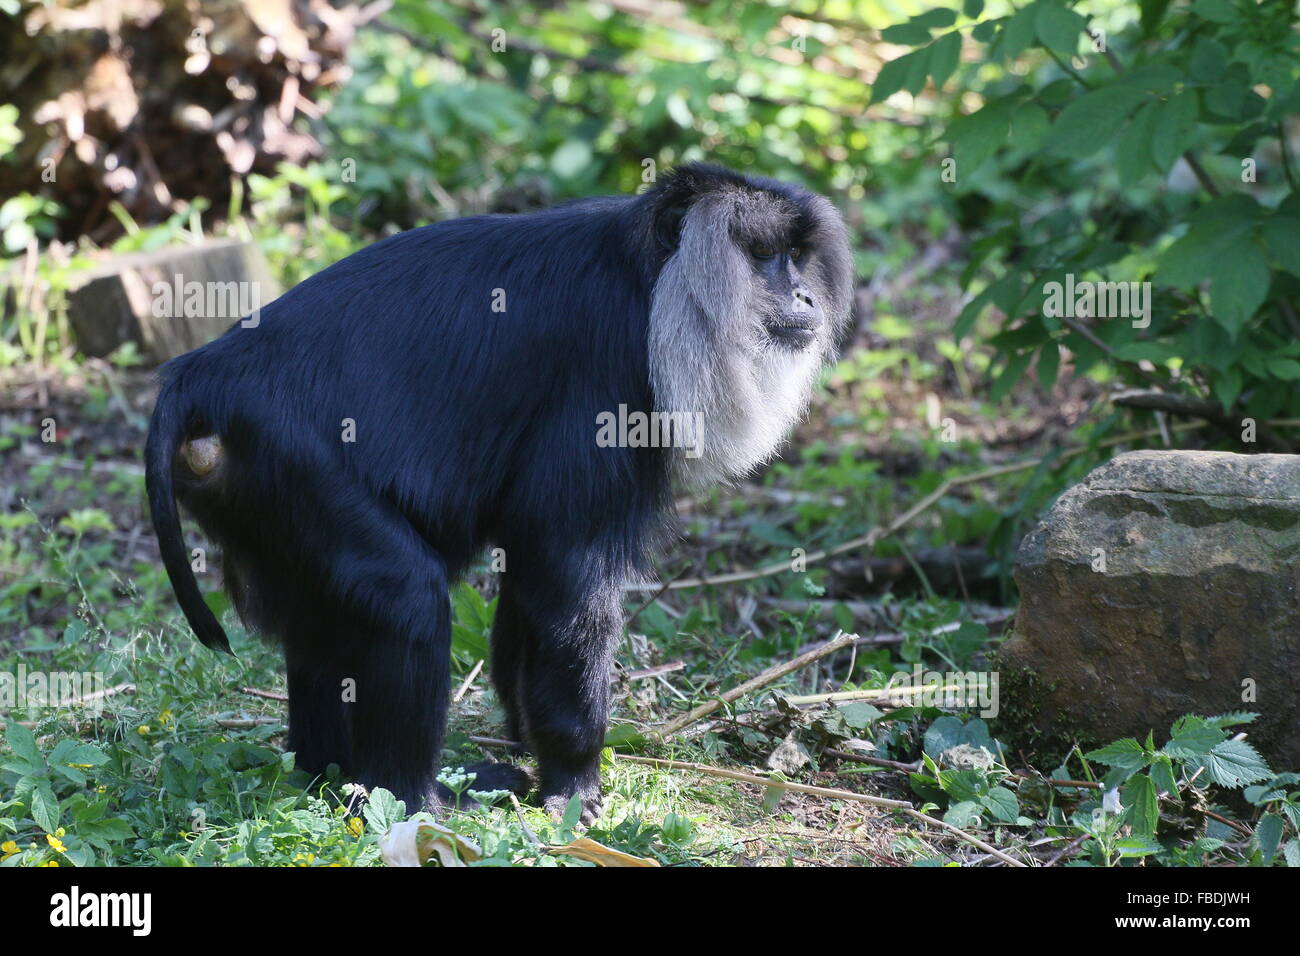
166	432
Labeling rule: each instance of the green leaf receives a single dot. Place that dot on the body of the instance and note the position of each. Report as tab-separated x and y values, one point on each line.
1216	11
1188	261
944	734
23	743
1227	386
936	19
977	136
1133	151
1131	847
1157	352
893	75
1193	740
1030	127
1209	60
1018	33
623	735
1126	754
1292	853
1010	376
1235	763
963	815
1139	796
1281	235
1162	775
966	320
45	807
1059	27
1152	77
1049	364
963	784
1287	369
1236	718
1268	831
383	810
1002	803
907	34
572	813
69	751
860	715
971	9
1091	121
918	70
945	53
1239	285
1175	125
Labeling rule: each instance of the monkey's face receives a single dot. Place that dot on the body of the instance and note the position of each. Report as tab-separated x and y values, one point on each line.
790	314
744	312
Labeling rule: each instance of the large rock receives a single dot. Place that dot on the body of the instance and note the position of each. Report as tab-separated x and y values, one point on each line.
1196	610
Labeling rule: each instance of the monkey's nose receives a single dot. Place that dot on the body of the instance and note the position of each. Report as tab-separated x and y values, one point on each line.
802	301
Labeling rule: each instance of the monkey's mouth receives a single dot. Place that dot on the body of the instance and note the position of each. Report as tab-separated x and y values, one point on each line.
791	334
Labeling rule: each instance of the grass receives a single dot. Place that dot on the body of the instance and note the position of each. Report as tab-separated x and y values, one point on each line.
187	768
183	766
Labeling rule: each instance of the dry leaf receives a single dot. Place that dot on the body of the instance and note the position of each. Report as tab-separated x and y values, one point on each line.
601	855
416	842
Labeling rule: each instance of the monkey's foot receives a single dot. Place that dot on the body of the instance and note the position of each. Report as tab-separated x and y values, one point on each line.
558	804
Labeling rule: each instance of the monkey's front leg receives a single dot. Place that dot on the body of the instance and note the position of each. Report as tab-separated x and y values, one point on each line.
564	688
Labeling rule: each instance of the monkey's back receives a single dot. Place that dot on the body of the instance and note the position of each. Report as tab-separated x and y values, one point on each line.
454	369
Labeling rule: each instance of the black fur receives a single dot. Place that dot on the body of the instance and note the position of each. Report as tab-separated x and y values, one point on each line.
473	427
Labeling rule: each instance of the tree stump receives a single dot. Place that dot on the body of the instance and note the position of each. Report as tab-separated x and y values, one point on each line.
171	300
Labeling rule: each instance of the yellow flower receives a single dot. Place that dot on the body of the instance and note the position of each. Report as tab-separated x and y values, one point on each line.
55	842
356	827
166	717
304	859
142	730
8	849
51	863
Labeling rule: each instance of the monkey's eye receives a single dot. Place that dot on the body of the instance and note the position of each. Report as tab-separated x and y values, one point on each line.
763	251
796	253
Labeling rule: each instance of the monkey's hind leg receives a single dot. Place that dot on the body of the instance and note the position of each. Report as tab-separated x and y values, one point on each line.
509	636
565	687
318	718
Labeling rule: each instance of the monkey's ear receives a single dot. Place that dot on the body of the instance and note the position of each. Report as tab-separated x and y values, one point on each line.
668	220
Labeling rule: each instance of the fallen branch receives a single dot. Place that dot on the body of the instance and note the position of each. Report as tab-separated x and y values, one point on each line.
762	680
1203	408
266	694
465	684
874	761
123	688
872	695
246	723
658	671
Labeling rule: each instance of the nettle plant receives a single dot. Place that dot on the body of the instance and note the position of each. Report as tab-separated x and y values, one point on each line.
1144	143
